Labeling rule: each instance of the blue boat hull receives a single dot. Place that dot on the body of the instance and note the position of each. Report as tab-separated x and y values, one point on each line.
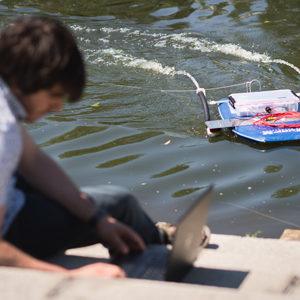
263	134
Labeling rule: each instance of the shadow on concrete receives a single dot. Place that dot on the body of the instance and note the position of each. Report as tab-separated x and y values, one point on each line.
204	276
212	246
216	277
74	261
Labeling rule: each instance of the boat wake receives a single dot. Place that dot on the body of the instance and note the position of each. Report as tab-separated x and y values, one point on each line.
103	50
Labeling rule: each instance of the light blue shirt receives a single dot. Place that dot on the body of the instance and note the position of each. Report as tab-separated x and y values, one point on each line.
11	113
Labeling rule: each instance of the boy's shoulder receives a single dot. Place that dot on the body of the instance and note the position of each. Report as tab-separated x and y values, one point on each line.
10	107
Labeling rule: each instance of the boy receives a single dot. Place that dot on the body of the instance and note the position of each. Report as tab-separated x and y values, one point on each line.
41	210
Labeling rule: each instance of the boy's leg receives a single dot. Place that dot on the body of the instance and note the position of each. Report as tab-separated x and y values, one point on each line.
43	227
123	206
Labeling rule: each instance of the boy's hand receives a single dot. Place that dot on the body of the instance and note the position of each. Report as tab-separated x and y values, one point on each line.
119	236
103	270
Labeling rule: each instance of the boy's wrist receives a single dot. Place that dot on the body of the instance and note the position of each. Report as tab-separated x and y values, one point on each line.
99	214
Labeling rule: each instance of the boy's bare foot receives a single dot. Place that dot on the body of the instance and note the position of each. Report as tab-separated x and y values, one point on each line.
168	231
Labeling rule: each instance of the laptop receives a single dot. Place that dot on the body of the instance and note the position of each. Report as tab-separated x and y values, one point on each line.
171	263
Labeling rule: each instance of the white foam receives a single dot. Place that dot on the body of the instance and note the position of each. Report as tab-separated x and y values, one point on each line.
111	56
82	28
153	66
183	40
84	40
121	30
78	27
115	56
205	45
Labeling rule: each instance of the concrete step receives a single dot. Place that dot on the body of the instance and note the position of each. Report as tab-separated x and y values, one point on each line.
232	267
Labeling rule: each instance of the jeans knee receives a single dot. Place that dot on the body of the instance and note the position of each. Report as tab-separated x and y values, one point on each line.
112	197
128	200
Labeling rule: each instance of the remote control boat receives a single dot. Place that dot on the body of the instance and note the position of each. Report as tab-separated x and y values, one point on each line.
263	116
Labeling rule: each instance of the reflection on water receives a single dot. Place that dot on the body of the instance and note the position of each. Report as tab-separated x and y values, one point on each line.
75	133
173	170
118	161
137	138
185	192
287	192
140	123
273	169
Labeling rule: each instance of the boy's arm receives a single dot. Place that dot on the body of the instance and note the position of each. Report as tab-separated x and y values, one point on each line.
45	175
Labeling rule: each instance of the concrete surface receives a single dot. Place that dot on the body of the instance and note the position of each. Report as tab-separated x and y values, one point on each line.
232	267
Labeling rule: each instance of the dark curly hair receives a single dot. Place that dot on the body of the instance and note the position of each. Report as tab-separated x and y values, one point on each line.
37	53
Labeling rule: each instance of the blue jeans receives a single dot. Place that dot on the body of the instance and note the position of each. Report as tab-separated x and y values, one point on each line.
43	227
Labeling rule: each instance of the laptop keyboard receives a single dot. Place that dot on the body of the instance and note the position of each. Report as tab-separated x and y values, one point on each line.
150	264
153	266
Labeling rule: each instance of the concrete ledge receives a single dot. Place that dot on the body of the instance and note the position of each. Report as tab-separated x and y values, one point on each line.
232	267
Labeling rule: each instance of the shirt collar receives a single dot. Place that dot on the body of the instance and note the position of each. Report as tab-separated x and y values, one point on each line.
14	104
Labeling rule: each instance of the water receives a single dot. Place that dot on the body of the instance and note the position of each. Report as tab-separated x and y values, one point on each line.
131	130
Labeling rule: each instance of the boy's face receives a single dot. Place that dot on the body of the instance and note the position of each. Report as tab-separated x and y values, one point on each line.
42	102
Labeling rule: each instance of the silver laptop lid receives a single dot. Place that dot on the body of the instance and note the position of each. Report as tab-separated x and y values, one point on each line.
188	237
